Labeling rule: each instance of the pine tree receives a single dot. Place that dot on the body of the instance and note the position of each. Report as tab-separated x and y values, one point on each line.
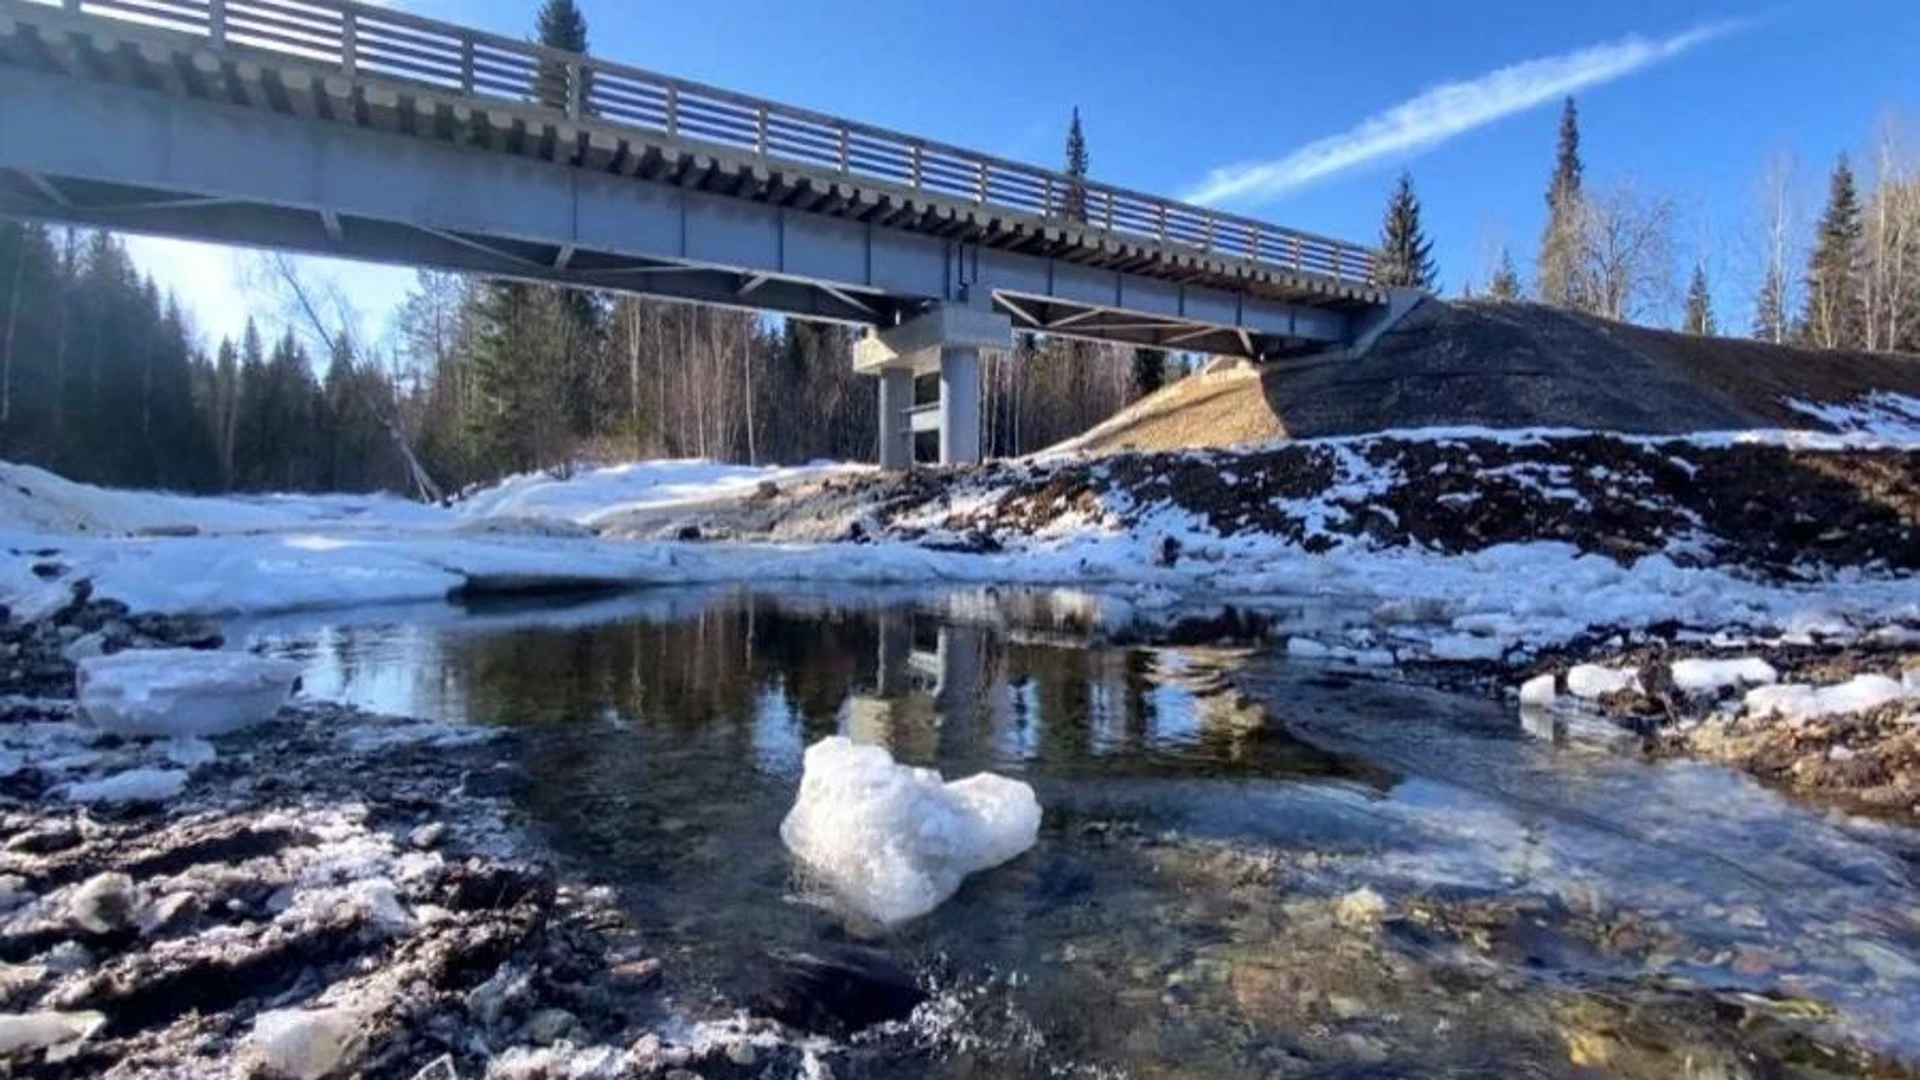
1074	200
1834	315
1699	318
1506	282
560	25
1559	276
1406	255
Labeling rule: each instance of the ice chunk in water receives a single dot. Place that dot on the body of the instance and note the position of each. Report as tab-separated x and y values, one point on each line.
182	692
893	841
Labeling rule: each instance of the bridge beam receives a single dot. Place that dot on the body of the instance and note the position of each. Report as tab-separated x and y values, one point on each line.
947	339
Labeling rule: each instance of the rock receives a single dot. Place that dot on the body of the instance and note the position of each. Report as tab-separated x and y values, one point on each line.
549	1026
1360	908
169	913
14	893
48	841
440	1068
181	692
767	489
427	837
104	904
501	780
637	974
67	958
839	993
741	1054
167	531
1166	551
489	1001
303	1044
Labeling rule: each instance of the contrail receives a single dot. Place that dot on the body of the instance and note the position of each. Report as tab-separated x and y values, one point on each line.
1448	110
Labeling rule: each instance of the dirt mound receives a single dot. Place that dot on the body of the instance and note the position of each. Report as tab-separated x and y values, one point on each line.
1508	366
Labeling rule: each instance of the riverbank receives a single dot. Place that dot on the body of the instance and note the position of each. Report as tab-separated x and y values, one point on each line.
333	892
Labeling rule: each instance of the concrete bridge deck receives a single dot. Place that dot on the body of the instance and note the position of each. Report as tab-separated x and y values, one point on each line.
332	127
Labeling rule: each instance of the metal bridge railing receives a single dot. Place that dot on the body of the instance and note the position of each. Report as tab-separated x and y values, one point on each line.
361	40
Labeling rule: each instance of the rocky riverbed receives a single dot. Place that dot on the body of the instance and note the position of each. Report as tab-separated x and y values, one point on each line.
331	893
1835	719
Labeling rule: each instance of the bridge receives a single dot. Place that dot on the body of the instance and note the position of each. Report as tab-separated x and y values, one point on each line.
337	128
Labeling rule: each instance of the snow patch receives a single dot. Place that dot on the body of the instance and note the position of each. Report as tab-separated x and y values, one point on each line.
1712	676
1538	691
893	841
1594	681
1800	701
306	1044
182	692
133	785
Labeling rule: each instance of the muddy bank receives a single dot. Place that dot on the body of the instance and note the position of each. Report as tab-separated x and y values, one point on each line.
1781	511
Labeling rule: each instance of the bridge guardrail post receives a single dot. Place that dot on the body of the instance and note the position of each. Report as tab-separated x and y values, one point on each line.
1160	221
673	110
576	85
980	183
217	23
1046	207
846	148
915	157
1109	215
466	65
760	131
350	43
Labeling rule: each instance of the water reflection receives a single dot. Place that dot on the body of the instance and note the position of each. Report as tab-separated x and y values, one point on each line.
1189	910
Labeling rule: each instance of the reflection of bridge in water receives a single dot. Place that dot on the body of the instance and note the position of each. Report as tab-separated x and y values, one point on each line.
953	693
346	129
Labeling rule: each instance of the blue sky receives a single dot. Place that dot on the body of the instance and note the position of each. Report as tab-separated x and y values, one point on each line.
1301	114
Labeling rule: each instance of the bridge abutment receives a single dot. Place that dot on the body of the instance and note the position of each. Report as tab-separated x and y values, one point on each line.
946	340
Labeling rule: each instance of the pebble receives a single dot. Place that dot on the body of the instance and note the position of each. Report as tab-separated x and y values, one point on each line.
107	902
549	1026
169	913
741	1054
14	893
1360	908
428	836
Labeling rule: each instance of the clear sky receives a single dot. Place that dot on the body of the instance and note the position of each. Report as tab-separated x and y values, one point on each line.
1301	114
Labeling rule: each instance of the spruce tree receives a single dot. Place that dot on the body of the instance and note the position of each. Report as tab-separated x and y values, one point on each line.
1559	276
1506	282
1074	200
1406	255
1834	317
560	25
1699	318
1149	371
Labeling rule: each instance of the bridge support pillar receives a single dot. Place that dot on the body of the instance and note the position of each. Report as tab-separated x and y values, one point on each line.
959	405
896	417
947	339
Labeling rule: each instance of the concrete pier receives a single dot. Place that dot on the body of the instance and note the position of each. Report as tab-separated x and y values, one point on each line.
946	339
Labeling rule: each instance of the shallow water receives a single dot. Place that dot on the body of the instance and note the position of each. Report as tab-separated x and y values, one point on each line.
1200	901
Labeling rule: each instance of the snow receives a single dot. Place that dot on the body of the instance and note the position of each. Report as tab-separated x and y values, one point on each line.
133	785
589	497
1538	691
303	1044
182	692
1594	681
1801	701
290	553
50	1031
1711	676
892	841
1880	415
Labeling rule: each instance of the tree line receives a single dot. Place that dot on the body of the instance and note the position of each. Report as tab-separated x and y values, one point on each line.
1612	252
